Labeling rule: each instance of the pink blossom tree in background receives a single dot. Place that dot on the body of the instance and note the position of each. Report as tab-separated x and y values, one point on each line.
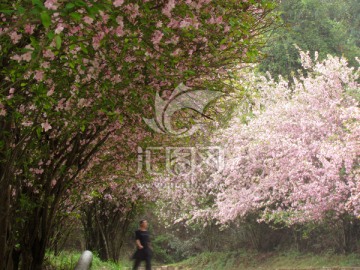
297	159
293	158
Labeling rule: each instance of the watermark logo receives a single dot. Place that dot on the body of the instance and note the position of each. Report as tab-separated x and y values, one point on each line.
181	98
175	161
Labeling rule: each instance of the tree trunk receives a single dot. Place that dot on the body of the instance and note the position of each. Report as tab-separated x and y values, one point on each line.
4	224
15	259
351	233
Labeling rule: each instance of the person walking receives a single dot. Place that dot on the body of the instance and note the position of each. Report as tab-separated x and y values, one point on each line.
143	251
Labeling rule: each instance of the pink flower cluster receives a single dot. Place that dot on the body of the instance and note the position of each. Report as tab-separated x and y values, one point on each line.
294	158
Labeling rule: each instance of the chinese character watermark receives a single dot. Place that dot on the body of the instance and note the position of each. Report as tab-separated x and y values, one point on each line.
176	161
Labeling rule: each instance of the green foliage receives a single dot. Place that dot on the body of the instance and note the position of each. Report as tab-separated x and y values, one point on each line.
168	248
68	260
329	27
161	247
252	260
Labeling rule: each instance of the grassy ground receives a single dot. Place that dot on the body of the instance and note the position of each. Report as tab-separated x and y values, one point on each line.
253	260
224	261
68	260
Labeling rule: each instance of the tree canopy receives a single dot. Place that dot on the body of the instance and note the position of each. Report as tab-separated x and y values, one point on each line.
77	76
328	27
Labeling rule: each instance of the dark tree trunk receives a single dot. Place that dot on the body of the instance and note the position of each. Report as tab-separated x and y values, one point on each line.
104	234
351	234
4	224
15	259
34	240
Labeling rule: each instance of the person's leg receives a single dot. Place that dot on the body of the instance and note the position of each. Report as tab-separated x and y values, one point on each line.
137	262
148	262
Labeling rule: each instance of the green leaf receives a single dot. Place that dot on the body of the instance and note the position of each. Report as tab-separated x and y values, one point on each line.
58	42
69	6
93	10
51	35
38	3
38	131
121	119
45	19
34	42
76	16
21	10
7	11
83	48
190	72
80	3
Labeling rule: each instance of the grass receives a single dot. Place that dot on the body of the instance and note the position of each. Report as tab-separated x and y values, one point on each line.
252	260
67	261
224	261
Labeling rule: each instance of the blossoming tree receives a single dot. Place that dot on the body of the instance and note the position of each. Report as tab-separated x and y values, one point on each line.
297	160
293	159
76	73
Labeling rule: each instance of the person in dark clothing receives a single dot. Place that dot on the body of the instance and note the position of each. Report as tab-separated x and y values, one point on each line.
143	252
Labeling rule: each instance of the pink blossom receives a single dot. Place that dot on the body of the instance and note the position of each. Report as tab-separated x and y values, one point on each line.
48	54
15	37
26	56
16	57
169	6
119	31
2	110
211	20
223	47
29	29
133	9
219	20
185	23
130	59
38	171
176	52
27	123
51	91
97	39
53	182
156	37
174	40
45	65
173	23
59	28
39	75
108	197
105	17
51	4
118	3
88	20
60	105
120	20
46	126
